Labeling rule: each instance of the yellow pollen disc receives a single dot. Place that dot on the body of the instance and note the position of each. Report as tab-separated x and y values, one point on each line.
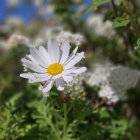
55	69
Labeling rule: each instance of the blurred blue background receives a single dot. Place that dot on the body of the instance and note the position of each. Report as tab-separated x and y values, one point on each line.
29	9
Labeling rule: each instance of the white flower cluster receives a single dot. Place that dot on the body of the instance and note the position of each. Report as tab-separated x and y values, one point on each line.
46	34
57	32
98	74
70	37
113	80
14	40
117	2
4	29
76	87
17	39
97	26
44	8
47	9
39	3
14	22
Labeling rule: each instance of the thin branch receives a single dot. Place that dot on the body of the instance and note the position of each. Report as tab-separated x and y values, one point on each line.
114	8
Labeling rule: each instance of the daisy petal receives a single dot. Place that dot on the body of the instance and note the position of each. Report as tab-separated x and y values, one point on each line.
67	78
59	83
66	72
40	75
57	76
30	62
65	51
40	79
47	87
80	70
44	52
38	57
71	56
35	67
30	57
53	50
27	75
75	60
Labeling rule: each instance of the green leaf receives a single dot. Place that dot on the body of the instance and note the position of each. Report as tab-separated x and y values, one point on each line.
95	5
137	44
119	22
104	113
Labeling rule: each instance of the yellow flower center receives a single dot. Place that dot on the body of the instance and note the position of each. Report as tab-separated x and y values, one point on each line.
55	69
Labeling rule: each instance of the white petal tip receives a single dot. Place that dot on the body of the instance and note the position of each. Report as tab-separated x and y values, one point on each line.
80	70
84	69
60	88
23	75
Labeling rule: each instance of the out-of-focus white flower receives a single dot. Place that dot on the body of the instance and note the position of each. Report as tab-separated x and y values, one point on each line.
49	32
13	3
14	40
75	87
123	77
44	8
15	24
3	45
107	92
47	9
57	32
4	29
39	42
39	3
113	80
118	2
14	21
98	74
70	37
98	26
54	65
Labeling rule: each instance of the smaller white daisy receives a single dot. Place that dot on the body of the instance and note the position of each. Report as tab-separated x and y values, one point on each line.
53	65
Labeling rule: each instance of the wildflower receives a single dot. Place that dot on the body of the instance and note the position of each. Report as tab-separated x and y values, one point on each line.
47	9
98	74
14	22
17	39
70	37
98	26
14	40
54	65
75	87
50	32
114	81
107	92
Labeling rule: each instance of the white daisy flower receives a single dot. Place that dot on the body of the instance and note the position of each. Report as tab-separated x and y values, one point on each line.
54	65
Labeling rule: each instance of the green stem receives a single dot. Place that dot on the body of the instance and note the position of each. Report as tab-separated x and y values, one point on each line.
54	130
65	120
114	8
126	37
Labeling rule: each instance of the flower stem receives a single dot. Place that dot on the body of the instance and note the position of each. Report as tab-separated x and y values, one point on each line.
54	130
65	120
